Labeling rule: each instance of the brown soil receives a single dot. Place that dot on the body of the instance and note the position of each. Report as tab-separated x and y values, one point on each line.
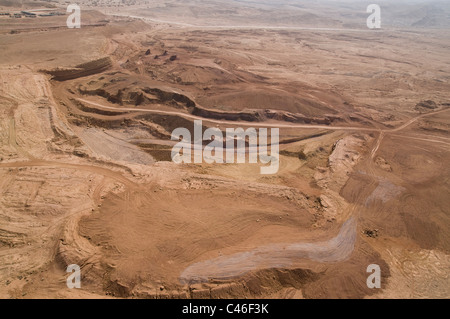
86	177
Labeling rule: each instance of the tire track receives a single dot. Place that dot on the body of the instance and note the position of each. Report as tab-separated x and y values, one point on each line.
336	249
90	168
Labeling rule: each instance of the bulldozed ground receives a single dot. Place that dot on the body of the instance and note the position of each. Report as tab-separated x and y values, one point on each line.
86	175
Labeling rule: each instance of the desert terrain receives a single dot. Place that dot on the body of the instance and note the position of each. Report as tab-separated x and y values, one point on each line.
86	175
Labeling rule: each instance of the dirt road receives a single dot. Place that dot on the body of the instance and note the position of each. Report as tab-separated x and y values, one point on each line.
274	256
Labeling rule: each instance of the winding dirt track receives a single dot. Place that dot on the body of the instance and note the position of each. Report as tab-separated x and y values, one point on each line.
382	132
269	125
405	125
336	249
234	123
